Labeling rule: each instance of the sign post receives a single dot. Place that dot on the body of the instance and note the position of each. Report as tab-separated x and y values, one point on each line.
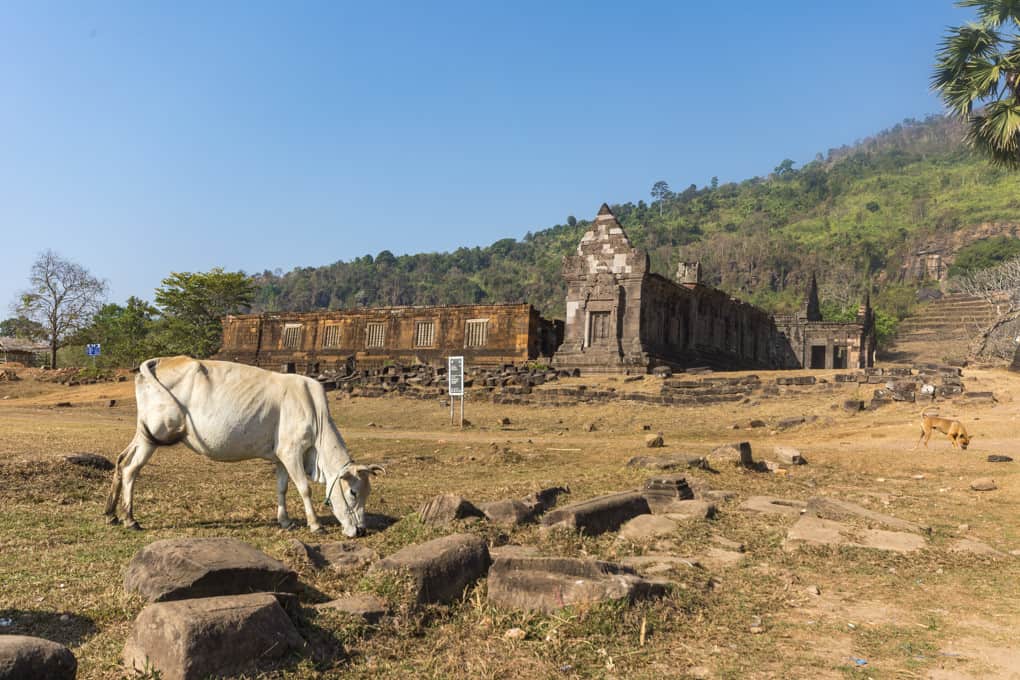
455	385
93	350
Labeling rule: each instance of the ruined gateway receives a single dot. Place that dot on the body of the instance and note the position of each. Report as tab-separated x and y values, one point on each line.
620	318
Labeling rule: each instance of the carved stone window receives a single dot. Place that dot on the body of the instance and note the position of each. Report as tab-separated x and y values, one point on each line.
331	336
476	332
292	336
425	334
375	334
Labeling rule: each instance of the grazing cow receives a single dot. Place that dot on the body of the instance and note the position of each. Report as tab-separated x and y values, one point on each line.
231	412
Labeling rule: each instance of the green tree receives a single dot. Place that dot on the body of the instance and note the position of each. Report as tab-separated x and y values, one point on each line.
128	334
62	297
977	73
193	303
661	192
22	327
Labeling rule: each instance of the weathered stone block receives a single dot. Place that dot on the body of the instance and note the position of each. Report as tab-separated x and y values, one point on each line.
92	460
787	423
446	508
546	584
181	568
370	608
439	569
508	512
810	529
687	509
30	658
668	462
211	636
840	510
772	505
787	455
654	441
598	515
645	527
984	484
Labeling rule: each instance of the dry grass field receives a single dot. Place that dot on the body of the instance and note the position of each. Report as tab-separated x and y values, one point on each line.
935	613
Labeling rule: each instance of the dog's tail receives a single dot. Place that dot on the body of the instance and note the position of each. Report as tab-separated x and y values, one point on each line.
923	414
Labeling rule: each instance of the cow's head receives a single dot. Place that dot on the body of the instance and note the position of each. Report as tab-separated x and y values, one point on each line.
347	497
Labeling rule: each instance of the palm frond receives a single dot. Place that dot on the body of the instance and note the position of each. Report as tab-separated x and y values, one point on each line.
994	12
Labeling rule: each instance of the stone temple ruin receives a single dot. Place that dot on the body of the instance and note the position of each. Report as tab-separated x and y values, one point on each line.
621	318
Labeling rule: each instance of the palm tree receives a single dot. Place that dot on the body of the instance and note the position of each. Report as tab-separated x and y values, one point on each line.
978	76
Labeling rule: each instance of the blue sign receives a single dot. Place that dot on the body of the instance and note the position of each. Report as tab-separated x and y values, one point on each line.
93	350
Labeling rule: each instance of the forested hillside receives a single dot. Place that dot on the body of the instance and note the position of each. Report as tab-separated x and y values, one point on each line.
850	215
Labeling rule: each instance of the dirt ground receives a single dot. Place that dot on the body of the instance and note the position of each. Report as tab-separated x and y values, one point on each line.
935	613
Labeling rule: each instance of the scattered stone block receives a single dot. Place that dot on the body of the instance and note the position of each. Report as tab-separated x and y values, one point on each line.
814	530
498	552
439	569
719	558
662	372
772	505
210	636
91	460
508	512
787	423
654	441
981	398
546	584
995	458
445	508
342	557
787	455
687	509
659	491
675	461
370	608
646	527
588	427
182	568
598	515
840	510
984	484
718	495
853	405
740	451
23	657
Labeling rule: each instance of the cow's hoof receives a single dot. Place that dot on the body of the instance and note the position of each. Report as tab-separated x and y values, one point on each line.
133	526
287	525
112	520
315	528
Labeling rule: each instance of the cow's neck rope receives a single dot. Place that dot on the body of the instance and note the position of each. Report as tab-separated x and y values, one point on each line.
329	490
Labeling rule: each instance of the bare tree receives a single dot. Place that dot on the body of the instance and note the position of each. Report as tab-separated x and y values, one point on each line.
62	296
999	286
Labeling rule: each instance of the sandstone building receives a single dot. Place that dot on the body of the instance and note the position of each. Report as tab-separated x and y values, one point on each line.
310	342
621	317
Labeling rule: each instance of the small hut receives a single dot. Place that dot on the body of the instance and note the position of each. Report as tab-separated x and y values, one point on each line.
23	351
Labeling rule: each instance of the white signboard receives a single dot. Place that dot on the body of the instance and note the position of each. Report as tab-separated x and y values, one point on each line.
455	377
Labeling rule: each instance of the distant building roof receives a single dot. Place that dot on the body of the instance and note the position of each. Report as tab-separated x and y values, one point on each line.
22	345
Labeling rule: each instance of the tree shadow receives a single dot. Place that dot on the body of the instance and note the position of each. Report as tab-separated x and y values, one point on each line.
66	628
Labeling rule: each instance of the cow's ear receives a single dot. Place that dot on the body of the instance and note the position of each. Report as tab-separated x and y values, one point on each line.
374	468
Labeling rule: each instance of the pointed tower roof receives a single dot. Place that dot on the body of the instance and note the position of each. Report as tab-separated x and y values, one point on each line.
812	309
606	248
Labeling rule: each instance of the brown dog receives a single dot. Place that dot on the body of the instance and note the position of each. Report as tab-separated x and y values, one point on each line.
951	428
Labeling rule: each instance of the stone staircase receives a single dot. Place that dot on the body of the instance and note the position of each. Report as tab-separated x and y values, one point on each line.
940	331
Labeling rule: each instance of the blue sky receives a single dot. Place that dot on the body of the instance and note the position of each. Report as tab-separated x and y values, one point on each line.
144	138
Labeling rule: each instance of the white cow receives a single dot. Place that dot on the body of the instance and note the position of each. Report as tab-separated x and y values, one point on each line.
231	412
